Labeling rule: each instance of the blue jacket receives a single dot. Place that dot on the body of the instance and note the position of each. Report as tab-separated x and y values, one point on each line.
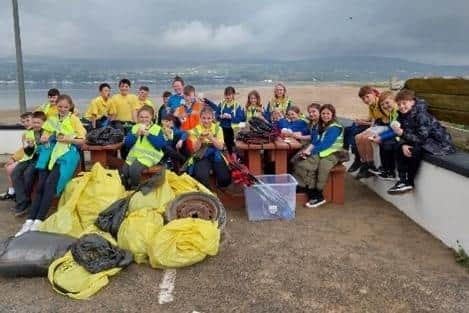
327	140
175	101
237	114
295	126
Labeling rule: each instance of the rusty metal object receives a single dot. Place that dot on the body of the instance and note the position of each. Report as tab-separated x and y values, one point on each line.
196	205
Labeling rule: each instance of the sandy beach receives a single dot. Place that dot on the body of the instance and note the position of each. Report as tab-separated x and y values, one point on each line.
343	97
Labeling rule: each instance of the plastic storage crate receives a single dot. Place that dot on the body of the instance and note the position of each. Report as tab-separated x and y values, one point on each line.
280	201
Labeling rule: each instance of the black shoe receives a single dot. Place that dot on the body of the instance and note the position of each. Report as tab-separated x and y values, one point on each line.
355	165
386	175
400	187
6	196
363	173
315	202
375	171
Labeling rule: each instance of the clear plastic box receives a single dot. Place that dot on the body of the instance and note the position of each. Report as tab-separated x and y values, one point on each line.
274	199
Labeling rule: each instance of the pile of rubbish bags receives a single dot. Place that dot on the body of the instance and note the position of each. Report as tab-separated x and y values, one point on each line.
99	229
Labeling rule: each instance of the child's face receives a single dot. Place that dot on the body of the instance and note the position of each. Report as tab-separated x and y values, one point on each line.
326	115
178	87
165	100
276	116
144	117
405	105
369	99
279	91
167	123
36	123
253	100
63	107
188	98
292	115
124	89
229	97
313	114
26	122
142	94
388	104
105	92
53	99
206	119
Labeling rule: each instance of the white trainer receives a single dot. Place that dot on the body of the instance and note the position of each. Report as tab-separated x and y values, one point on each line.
26	227
36	225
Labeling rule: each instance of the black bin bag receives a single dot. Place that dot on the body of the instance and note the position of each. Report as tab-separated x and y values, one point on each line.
30	254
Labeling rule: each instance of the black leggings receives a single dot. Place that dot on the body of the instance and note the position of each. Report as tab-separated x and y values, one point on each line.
202	172
228	136
23	178
46	187
386	153
408	167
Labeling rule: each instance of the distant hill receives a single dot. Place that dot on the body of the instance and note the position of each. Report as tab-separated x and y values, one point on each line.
328	69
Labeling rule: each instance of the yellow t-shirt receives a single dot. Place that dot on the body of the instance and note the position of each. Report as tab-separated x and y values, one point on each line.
53	110
375	112
147	102
98	107
123	106
199	129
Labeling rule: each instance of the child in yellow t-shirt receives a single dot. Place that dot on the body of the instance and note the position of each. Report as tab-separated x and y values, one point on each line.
97	112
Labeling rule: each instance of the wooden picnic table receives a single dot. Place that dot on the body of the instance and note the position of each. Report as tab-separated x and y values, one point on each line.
106	155
278	150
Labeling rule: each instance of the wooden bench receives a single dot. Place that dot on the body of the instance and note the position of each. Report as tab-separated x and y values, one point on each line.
106	155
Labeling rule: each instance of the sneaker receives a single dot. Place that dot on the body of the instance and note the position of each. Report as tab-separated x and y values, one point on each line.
25	228
21	212
386	175
35	226
7	196
355	165
319	201
400	187
375	171
363	173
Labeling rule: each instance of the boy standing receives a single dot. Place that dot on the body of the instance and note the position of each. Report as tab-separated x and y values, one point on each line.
164	109
98	110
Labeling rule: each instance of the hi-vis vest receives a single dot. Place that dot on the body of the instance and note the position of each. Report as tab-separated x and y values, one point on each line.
252	111
277	104
199	129
64	127
337	145
143	151
29	135
44	107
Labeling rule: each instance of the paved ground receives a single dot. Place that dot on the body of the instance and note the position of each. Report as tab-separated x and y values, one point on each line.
364	257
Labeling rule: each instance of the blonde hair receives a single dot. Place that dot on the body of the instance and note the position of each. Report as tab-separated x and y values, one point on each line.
284	89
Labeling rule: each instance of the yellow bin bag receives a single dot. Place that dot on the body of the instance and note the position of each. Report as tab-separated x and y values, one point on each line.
157	199
136	232
70	279
184	183
83	199
184	242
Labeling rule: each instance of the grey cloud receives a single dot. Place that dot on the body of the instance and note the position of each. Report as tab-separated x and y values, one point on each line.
420	30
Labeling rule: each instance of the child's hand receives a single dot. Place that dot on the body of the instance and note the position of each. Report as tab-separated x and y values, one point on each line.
375	139
397	130
179	144
44	138
407	150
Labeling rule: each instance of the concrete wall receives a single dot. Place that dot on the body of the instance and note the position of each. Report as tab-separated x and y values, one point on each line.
10	140
439	203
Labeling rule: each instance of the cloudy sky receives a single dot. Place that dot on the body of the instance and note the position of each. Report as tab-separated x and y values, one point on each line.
421	30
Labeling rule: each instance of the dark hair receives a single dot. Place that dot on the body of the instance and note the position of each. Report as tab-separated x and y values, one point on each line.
405	94
294	109
147	108
169	117
322	125
26	114
229	91
365	90
188	89
125	81
167	94
144	88
257	95
40	114
315	105
178	79
104	85
53	92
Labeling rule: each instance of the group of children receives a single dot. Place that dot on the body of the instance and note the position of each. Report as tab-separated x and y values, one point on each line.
192	133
